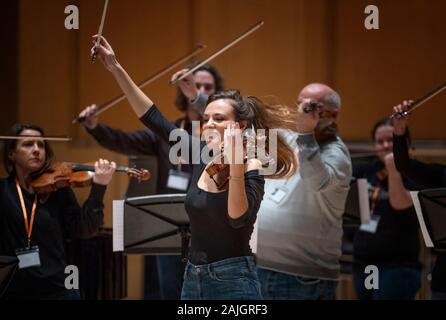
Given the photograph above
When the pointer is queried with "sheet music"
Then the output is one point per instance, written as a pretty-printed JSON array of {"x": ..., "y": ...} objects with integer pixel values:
[
  {"x": 118, "y": 225},
  {"x": 416, "y": 204},
  {"x": 364, "y": 205}
]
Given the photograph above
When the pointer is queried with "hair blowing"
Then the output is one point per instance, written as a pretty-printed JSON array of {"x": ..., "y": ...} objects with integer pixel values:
[{"x": 253, "y": 111}]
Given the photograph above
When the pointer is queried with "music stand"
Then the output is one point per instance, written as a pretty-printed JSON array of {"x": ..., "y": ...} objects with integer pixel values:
[
  {"x": 433, "y": 208},
  {"x": 156, "y": 225},
  {"x": 357, "y": 210},
  {"x": 8, "y": 267}
]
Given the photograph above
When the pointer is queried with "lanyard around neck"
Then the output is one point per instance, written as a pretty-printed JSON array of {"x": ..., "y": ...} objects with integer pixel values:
[{"x": 29, "y": 227}]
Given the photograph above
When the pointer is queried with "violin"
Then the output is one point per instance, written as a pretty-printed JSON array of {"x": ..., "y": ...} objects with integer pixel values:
[
  {"x": 329, "y": 132},
  {"x": 318, "y": 106},
  {"x": 219, "y": 171},
  {"x": 313, "y": 106},
  {"x": 68, "y": 174}
]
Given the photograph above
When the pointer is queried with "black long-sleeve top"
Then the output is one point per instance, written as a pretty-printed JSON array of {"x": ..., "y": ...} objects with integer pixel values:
[
  {"x": 215, "y": 236},
  {"x": 426, "y": 175},
  {"x": 141, "y": 142},
  {"x": 396, "y": 241},
  {"x": 60, "y": 217},
  {"x": 146, "y": 142}
]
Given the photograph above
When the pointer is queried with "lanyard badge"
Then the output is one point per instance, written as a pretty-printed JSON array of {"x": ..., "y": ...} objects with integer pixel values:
[
  {"x": 178, "y": 180},
  {"x": 29, "y": 256},
  {"x": 372, "y": 226}
]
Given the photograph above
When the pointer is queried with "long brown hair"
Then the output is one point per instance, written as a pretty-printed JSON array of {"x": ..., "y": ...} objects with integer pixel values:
[
  {"x": 254, "y": 112},
  {"x": 10, "y": 145}
]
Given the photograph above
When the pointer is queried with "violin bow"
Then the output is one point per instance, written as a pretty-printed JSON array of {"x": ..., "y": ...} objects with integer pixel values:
[
  {"x": 60, "y": 139},
  {"x": 419, "y": 102},
  {"x": 226, "y": 47},
  {"x": 101, "y": 27},
  {"x": 104, "y": 107}
]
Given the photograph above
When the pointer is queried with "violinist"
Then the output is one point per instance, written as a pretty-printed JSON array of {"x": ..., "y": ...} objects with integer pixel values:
[
  {"x": 165, "y": 273},
  {"x": 192, "y": 94},
  {"x": 221, "y": 264},
  {"x": 32, "y": 227},
  {"x": 390, "y": 241},
  {"x": 426, "y": 176},
  {"x": 300, "y": 219}
]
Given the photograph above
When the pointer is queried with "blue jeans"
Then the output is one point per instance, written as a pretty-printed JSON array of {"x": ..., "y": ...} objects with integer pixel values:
[
  {"x": 228, "y": 279},
  {"x": 282, "y": 286},
  {"x": 394, "y": 283}
]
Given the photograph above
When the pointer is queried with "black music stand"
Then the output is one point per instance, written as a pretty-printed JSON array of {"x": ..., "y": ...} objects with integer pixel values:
[
  {"x": 8, "y": 267},
  {"x": 351, "y": 211},
  {"x": 433, "y": 208},
  {"x": 351, "y": 220},
  {"x": 357, "y": 197},
  {"x": 156, "y": 225}
]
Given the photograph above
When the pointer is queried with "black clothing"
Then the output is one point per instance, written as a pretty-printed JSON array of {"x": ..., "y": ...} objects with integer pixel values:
[
  {"x": 142, "y": 142},
  {"x": 165, "y": 283},
  {"x": 215, "y": 236},
  {"x": 60, "y": 217},
  {"x": 396, "y": 241},
  {"x": 427, "y": 176}
]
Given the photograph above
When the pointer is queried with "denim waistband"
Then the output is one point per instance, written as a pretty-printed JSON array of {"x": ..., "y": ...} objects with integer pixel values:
[{"x": 247, "y": 261}]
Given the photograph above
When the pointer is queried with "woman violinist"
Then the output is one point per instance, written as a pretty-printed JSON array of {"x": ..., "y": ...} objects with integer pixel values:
[
  {"x": 34, "y": 228},
  {"x": 221, "y": 264}
]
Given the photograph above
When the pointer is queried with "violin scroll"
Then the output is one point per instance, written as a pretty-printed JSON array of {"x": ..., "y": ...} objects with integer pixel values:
[{"x": 140, "y": 174}]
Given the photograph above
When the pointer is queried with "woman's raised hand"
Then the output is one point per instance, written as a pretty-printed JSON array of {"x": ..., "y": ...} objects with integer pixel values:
[{"x": 105, "y": 53}]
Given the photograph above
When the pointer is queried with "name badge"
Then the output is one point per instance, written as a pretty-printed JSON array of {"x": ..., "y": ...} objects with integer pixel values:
[
  {"x": 28, "y": 257},
  {"x": 178, "y": 180},
  {"x": 278, "y": 194},
  {"x": 371, "y": 226}
]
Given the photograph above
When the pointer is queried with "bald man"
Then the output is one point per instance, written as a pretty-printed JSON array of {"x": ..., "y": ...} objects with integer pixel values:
[{"x": 300, "y": 219}]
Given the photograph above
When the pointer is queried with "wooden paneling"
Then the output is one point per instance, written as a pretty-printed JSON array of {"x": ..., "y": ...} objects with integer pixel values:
[
  {"x": 375, "y": 70},
  {"x": 9, "y": 61},
  {"x": 146, "y": 37},
  {"x": 47, "y": 68},
  {"x": 302, "y": 41},
  {"x": 279, "y": 58}
]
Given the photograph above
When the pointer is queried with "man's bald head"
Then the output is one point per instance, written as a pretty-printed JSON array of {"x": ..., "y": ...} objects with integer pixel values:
[{"x": 321, "y": 93}]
